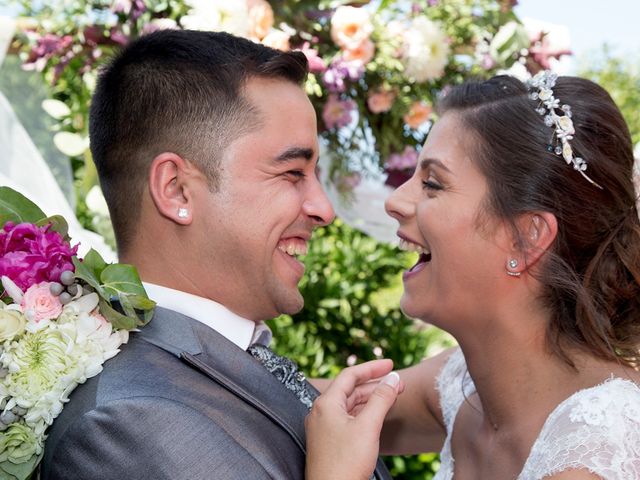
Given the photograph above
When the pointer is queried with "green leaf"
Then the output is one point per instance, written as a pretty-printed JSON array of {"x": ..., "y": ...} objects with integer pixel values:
[
  {"x": 123, "y": 282},
  {"x": 15, "y": 207},
  {"x": 121, "y": 279},
  {"x": 118, "y": 320},
  {"x": 90, "y": 269},
  {"x": 58, "y": 224}
]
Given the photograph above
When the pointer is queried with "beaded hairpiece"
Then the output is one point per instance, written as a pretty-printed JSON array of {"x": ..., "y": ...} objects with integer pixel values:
[{"x": 541, "y": 86}]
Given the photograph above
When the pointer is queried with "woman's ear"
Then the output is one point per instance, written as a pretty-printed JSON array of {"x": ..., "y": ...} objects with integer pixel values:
[
  {"x": 170, "y": 189},
  {"x": 538, "y": 230}
]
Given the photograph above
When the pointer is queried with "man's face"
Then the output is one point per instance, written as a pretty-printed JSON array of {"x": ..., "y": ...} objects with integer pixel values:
[{"x": 268, "y": 202}]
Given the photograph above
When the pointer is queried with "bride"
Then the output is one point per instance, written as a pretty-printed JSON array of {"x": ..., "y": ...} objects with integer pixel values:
[{"x": 522, "y": 209}]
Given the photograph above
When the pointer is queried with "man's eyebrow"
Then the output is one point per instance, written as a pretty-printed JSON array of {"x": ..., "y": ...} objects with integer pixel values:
[
  {"x": 294, "y": 153},
  {"x": 433, "y": 162}
]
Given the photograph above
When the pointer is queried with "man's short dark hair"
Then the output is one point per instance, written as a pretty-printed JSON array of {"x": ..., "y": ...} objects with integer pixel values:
[{"x": 174, "y": 91}]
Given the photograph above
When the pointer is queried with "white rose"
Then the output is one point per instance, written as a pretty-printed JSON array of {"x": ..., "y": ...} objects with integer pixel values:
[
  {"x": 426, "y": 51},
  {"x": 12, "y": 324}
]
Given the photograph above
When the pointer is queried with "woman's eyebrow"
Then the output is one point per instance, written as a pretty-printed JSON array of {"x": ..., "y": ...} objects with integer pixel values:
[{"x": 433, "y": 162}]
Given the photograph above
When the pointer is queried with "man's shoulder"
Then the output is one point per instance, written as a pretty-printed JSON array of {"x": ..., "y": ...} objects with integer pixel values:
[{"x": 148, "y": 394}]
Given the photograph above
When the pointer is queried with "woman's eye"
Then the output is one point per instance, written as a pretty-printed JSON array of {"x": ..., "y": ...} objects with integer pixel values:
[{"x": 431, "y": 185}]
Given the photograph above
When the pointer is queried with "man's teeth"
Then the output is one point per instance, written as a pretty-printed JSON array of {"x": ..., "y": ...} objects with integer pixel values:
[
  {"x": 412, "y": 247},
  {"x": 293, "y": 248}
]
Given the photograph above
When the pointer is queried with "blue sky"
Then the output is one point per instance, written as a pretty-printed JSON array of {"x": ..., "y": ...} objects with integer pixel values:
[{"x": 591, "y": 22}]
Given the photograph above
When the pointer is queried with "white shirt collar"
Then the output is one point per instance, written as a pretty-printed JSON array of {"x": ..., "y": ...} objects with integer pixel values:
[{"x": 239, "y": 330}]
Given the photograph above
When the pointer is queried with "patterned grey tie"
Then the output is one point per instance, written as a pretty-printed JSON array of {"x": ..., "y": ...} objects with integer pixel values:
[{"x": 286, "y": 371}]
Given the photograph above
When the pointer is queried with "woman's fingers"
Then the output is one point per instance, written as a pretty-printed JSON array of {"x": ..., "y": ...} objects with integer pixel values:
[{"x": 345, "y": 384}]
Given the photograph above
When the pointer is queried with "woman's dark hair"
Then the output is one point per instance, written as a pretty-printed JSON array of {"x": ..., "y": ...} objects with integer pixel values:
[{"x": 591, "y": 275}]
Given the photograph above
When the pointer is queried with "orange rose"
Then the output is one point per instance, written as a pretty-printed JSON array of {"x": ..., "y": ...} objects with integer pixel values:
[
  {"x": 417, "y": 114},
  {"x": 363, "y": 53}
]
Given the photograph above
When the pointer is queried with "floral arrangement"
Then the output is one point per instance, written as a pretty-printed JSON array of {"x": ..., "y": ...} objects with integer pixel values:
[
  {"x": 61, "y": 318},
  {"x": 377, "y": 66}
]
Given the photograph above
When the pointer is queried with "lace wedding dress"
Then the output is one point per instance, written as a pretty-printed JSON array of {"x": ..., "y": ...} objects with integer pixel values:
[{"x": 597, "y": 428}]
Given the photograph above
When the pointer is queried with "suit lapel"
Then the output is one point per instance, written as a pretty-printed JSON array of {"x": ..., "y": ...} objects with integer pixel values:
[
  {"x": 234, "y": 369},
  {"x": 231, "y": 367}
]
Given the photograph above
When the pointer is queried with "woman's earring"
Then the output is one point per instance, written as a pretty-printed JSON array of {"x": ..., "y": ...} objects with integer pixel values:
[
  {"x": 183, "y": 213},
  {"x": 511, "y": 264}
]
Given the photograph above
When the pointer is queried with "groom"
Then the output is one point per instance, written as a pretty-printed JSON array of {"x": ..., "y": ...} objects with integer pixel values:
[{"x": 206, "y": 148}]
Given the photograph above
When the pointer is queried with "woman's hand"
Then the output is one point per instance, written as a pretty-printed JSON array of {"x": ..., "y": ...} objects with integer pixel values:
[{"x": 343, "y": 428}]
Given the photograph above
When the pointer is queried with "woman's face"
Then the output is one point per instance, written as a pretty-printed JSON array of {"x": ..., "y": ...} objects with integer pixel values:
[{"x": 440, "y": 211}]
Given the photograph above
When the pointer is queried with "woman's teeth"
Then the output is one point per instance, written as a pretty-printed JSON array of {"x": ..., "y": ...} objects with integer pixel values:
[{"x": 408, "y": 246}]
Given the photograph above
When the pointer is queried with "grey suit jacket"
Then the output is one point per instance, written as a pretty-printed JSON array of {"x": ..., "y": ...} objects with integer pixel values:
[{"x": 179, "y": 402}]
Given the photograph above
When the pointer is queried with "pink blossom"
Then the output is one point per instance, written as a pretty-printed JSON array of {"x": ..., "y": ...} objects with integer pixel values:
[
  {"x": 316, "y": 63},
  {"x": 407, "y": 160},
  {"x": 381, "y": 101},
  {"x": 337, "y": 113},
  {"x": 30, "y": 254},
  {"x": 39, "y": 304}
]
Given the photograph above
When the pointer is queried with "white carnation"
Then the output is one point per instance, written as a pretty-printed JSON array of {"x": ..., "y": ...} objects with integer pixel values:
[
  {"x": 426, "y": 51},
  {"x": 217, "y": 15}
]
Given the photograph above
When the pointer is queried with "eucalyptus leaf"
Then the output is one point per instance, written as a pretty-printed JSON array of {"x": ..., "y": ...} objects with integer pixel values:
[
  {"x": 56, "y": 108},
  {"x": 15, "y": 207},
  {"x": 85, "y": 271},
  {"x": 58, "y": 224},
  {"x": 71, "y": 144},
  {"x": 121, "y": 278},
  {"x": 117, "y": 319}
]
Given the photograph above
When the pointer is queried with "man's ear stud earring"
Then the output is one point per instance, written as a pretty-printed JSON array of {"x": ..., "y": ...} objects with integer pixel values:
[
  {"x": 183, "y": 213},
  {"x": 511, "y": 264}
]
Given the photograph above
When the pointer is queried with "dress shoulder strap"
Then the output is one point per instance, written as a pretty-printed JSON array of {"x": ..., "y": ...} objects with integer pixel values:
[{"x": 454, "y": 385}]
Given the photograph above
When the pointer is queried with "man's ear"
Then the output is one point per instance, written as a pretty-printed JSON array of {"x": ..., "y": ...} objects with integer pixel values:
[
  {"x": 538, "y": 230},
  {"x": 169, "y": 187}
]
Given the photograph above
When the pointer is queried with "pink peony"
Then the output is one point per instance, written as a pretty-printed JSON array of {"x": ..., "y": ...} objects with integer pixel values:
[
  {"x": 337, "y": 113},
  {"x": 30, "y": 254},
  {"x": 39, "y": 304}
]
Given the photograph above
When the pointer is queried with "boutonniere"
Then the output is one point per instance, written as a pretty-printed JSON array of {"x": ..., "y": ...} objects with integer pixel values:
[{"x": 61, "y": 318}]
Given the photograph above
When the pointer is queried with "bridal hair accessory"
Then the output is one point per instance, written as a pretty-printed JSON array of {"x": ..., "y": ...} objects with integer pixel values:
[
  {"x": 541, "y": 86},
  {"x": 183, "y": 213},
  {"x": 61, "y": 318},
  {"x": 511, "y": 264}
]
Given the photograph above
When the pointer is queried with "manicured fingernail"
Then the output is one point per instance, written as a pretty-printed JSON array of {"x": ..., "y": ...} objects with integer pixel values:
[{"x": 392, "y": 379}]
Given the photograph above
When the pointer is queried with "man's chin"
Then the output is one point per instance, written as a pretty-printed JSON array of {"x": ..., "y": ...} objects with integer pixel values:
[{"x": 291, "y": 304}]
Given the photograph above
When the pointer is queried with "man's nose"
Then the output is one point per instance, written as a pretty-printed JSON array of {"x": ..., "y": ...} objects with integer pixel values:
[{"x": 317, "y": 205}]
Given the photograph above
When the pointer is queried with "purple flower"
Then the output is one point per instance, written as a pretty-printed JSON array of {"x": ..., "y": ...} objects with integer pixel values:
[
  {"x": 337, "y": 113},
  {"x": 46, "y": 47},
  {"x": 407, "y": 160},
  {"x": 340, "y": 71},
  {"x": 30, "y": 254}
]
